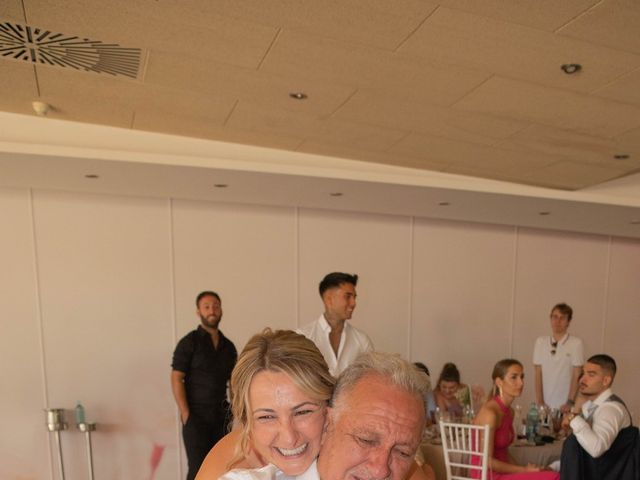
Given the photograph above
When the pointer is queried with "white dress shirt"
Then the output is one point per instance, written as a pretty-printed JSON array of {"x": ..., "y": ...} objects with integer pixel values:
[
  {"x": 353, "y": 342},
  {"x": 600, "y": 423},
  {"x": 270, "y": 472}
]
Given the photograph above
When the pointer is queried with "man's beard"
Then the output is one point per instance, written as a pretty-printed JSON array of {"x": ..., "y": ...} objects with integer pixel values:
[{"x": 213, "y": 323}]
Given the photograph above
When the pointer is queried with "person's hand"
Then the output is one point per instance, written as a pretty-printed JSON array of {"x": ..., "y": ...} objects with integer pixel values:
[
  {"x": 532, "y": 467},
  {"x": 566, "y": 408},
  {"x": 566, "y": 421},
  {"x": 580, "y": 400}
]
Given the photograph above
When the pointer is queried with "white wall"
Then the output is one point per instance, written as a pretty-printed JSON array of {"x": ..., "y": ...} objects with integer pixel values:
[{"x": 97, "y": 289}]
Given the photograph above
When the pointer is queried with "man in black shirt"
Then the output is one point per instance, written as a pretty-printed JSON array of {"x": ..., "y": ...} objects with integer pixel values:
[{"x": 202, "y": 364}]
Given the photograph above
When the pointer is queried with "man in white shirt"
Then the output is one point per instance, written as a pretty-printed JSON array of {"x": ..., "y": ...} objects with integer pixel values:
[
  {"x": 604, "y": 444},
  {"x": 338, "y": 341},
  {"x": 557, "y": 361},
  {"x": 598, "y": 415}
]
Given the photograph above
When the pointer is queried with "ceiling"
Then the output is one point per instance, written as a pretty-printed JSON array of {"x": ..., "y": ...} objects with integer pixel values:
[{"x": 420, "y": 97}]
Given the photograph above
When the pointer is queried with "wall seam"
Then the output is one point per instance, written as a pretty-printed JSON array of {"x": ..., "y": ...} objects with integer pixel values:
[
  {"x": 411, "y": 271},
  {"x": 512, "y": 320},
  {"x": 296, "y": 262},
  {"x": 43, "y": 363},
  {"x": 605, "y": 303},
  {"x": 174, "y": 321}
]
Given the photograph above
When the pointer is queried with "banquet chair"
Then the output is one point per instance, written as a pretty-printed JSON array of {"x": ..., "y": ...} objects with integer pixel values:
[{"x": 461, "y": 443}]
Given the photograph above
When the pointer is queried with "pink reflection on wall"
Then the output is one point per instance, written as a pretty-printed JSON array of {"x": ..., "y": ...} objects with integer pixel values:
[{"x": 156, "y": 456}]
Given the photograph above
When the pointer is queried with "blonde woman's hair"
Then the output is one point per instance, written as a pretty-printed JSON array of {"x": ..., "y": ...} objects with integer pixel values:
[{"x": 282, "y": 351}]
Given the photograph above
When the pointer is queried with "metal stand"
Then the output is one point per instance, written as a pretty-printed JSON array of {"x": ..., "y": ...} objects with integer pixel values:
[
  {"x": 87, "y": 428},
  {"x": 56, "y": 423}
]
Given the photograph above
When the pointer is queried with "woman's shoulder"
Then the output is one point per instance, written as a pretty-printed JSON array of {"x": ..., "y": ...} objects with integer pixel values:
[
  {"x": 217, "y": 460},
  {"x": 489, "y": 413}
]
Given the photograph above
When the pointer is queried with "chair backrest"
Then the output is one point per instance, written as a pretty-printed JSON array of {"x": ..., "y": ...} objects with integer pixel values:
[{"x": 466, "y": 450}]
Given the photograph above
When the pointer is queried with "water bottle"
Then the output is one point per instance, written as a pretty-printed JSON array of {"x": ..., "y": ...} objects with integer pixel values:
[
  {"x": 532, "y": 422},
  {"x": 80, "y": 413}
]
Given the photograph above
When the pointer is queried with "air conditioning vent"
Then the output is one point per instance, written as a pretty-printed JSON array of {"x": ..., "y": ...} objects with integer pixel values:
[{"x": 40, "y": 46}]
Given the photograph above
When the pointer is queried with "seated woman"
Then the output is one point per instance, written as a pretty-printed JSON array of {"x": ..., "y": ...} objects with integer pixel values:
[
  {"x": 280, "y": 389},
  {"x": 449, "y": 391},
  {"x": 508, "y": 383}
]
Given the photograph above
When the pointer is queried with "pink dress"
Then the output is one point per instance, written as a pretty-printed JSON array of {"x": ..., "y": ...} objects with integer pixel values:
[{"x": 502, "y": 438}]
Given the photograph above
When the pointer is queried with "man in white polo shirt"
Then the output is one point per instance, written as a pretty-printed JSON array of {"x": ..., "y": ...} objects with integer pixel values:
[
  {"x": 558, "y": 360},
  {"x": 338, "y": 341}
]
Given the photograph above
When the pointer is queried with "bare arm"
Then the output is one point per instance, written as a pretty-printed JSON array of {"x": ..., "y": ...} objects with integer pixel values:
[
  {"x": 573, "y": 389},
  {"x": 537, "y": 371},
  {"x": 440, "y": 401},
  {"x": 489, "y": 416},
  {"x": 180, "y": 394},
  {"x": 217, "y": 462}
]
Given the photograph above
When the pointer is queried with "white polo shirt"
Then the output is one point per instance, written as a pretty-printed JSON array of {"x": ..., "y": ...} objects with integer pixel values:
[
  {"x": 557, "y": 368},
  {"x": 353, "y": 342}
]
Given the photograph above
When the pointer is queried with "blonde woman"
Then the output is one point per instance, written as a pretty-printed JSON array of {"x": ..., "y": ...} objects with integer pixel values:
[{"x": 280, "y": 390}]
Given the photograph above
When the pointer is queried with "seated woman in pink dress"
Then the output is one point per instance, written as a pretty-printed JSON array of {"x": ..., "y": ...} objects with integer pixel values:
[{"x": 508, "y": 382}]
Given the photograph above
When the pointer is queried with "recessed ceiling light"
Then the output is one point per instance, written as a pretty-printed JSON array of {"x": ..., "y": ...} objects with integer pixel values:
[
  {"x": 298, "y": 95},
  {"x": 91, "y": 175},
  {"x": 444, "y": 204},
  {"x": 221, "y": 185},
  {"x": 336, "y": 194},
  {"x": 621, "y": 156},
  {"x": 571, "y": 68},
  {"x": 544, "y": 213}
]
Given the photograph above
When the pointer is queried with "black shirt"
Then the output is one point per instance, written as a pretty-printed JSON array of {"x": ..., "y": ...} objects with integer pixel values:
[{"x": 206, "y": 370}]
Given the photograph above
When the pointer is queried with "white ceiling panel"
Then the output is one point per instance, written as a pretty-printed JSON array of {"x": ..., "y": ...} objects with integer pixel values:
[
  {"x": 548, "y": 106},
  {"x": 516, "y": 51},
  {"x": 613, "y": 23},
  {"x": 301, "y": 56},
  {"x": 379, "y": 23},
  {"x": 367, "y": 106},
  {"x": 463, "y": 86},
  {"x": 543, "y": 14}
]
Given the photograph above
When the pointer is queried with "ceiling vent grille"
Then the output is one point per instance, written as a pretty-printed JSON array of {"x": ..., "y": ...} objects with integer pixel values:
[{"x": 40, "y": 46}]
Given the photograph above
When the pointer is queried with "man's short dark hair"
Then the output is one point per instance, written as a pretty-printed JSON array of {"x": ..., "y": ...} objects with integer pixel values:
[
  {"x": 607, "y": 363},
  {"x": 206, "y": 293},
  {"x": 564, "y": 309},
  {"x": 335, "y": 279}
]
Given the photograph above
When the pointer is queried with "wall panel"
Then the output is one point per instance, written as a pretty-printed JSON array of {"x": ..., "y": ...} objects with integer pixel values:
[
  {"x": 106, "y": 307},
  {"x": 246, "y": 254},
  {"x": 376, "y": 247},
  {"x": 117, "y": 278},
  {"x": 21, "y": 390},
  {"x": 463, "y": 274},
  {"x": 558, "y": 267},
  {"x": 623, "y": 320}
]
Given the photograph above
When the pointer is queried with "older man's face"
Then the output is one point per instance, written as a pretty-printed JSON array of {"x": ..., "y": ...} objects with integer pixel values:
[{"x": 373, "y": 433}]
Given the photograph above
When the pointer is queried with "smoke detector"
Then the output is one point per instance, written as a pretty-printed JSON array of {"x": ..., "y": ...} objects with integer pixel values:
[{"x": 41, "y": 108}]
